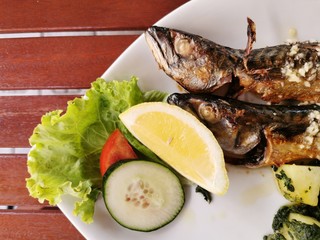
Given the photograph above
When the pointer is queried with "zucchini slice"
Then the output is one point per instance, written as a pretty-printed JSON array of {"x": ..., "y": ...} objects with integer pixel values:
[{"x": 142, "y": 195}]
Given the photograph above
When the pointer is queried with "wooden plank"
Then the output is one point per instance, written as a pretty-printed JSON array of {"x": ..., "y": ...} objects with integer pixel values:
[
  {"x": 13, "y": 191},
  {"x": 29, "y": 225},
  {"x": 35, "y": 16},
  {"x": 19, "y": 115},
  {"x": 57, "y": 62}
]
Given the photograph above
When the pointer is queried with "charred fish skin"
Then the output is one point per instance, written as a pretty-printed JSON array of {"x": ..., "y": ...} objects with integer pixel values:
[
  {"x": 256, "y": 135},
  {"x": 283, "y": 72},
  {"x": 275, "y": 74},
  {"x": 197, "y": 64}
]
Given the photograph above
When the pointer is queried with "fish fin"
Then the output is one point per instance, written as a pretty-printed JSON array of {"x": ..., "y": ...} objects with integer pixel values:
[{"x": 251, "y": 33}]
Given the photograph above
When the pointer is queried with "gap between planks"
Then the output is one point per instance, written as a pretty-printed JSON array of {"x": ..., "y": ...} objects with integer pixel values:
[{"x": 69, "y": 34}]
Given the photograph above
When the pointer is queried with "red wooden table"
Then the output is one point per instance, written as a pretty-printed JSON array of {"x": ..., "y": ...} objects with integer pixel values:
[{"x": 41, "y": 51}]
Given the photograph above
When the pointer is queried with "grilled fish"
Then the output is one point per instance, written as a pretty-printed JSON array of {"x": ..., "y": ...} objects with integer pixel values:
[
  {"x": 275, "y": 74},
  {"x": 256, "y": 135}
]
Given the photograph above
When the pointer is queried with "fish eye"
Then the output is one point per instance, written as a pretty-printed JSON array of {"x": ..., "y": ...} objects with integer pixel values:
[
  {"x": 183, "y": 47},
  {"x": 209, "y": 112}
]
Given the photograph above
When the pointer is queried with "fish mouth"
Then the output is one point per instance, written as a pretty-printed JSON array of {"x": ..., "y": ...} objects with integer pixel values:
[{"x": 160, "y": 42}]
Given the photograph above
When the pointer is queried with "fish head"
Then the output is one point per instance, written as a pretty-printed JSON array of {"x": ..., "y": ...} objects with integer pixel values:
[
  {"x": 221, "y": 117},
  {"x": 160, "y": 42},
  {"x": 192, "y": 61}
]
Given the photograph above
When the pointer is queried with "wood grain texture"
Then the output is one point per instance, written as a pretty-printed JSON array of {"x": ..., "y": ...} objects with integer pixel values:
[
  {"x": 39, "y": 16},
  {"x": 13, "y": 191},
  {"x": 53, "y": 63},
  {"x": 19, "y": 115},
  {"x": 31, "y": 225},
  {"x": 57, "y": 62}
]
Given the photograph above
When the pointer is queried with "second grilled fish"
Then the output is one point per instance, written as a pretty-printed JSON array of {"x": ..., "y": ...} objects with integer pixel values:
[
  {"x": 257, "y": 135},
  {"x": 278, "y": 73}
]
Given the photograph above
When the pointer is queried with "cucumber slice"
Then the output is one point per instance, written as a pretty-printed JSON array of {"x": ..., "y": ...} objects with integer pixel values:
[{"x": 142, "y": 195}]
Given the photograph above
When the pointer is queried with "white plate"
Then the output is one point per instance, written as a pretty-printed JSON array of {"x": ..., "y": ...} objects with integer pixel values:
[{"x": 247, "y": 210}]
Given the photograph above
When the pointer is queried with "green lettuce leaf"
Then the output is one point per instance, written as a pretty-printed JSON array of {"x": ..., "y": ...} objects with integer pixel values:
[
  {"x": 64, "y": 158},
  {"x": 154, "y": 96}
]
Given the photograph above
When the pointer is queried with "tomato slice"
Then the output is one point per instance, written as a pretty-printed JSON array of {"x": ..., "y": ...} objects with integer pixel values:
[{"x": 116, "y": 148}]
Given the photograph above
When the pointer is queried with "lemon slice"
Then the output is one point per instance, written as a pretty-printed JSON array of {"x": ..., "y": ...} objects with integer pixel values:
[{"x": 180, "y": 140}]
